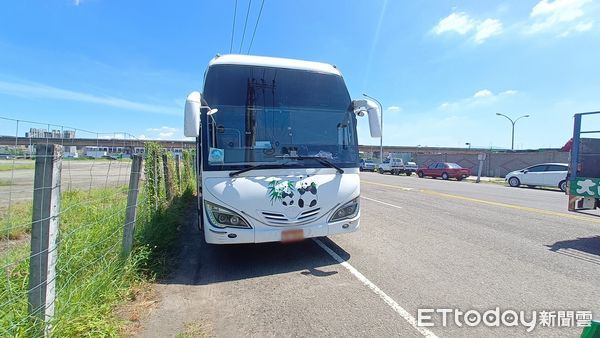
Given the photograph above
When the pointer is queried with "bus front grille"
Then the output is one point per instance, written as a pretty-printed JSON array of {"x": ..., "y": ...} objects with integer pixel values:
[{"x": 278, "y": 219}]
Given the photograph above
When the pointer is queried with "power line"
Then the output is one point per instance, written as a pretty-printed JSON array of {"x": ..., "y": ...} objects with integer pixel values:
[
  {"x": 245, "y": 23},
  {"x": 233, "y": 27},
  {"x": 256, "y": 26}
]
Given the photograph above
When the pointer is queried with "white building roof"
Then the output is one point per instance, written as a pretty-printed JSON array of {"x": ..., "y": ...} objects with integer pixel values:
[{"x": 265, "y": 61}]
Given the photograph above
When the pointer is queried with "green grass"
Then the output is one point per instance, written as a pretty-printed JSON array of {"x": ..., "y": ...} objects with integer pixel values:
[
  {"x": 5, "y": 183},
  {"x": 92, "y": 275},
  {"x": 17, "y": 166},
  {"x": 83, "y": 158},
  {"x": 16, "y": 221}
]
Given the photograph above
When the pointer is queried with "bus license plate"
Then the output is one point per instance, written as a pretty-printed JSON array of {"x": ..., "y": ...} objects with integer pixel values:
[{"x": 292, "y": 235}]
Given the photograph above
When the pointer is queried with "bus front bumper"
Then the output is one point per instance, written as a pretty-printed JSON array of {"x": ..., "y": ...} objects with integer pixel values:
[{"x": 264, "y": 233}]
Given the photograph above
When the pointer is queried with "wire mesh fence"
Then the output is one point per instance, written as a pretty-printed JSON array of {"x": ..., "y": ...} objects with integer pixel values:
[{"x": 67, "y": 219}]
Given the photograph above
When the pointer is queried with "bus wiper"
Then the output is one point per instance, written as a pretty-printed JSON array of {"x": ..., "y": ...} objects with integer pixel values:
[
  {"x": 254, "y": 167},
  {"x": 323, "y": 160}
]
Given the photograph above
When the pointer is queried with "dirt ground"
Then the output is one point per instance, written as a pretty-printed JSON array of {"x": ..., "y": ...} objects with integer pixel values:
[{"x": 75, "y": 175}]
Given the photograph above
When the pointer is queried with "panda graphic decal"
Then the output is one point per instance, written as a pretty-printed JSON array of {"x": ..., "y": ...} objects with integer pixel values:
[
  {"x": 291, "y": 193},
  {"x": 308, "y": 194}
]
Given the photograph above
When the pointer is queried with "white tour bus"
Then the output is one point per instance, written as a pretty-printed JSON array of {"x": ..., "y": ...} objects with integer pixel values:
[{"x": 278, "y": 150}]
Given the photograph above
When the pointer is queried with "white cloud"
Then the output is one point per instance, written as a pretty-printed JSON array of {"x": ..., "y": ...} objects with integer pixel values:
[
  {"x": 481, "y": 97},
  {"x": 394, "y": 109},
  {"x": 487, "y": 29},
  {"x": 462, "y": 23},
  {"x": 584, "y": 26},
  {"x": 509, "y": 92},
  {"x": 38, "y": 90},
  {"x": 559, "y": 16},
  {"x": 163, "y": 132},
  {"x": 483, "y": 93}
]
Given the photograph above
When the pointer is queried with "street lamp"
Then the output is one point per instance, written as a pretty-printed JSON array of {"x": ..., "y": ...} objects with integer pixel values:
[
  {"x": 512, "y": 145},
  {"x": 468, "y": 144},
  {"x": 380, "y": 138}
]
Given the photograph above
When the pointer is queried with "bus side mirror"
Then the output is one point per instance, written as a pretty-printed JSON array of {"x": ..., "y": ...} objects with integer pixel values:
[
  {"x": 372, "y": 109},
  {"x": 191, "y": 119}
]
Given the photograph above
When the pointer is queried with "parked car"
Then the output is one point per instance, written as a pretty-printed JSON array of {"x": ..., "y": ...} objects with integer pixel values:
[
  {"x": 444, "y": 170},
  {"x": 367, "y": 165},
  {"x": 390, "y": 165},
  {"x": 409, "y": 168},
  {"x": 540, "y": 175},
  {"x": 405, "y": 168}
]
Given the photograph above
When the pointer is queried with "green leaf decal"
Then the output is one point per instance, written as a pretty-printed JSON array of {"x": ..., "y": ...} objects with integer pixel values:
[{"x": 275, "y": 189}]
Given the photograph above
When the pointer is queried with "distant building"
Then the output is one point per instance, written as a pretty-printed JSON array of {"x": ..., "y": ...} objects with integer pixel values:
[
  {"x": 43, "y": 133},
  {"x": 71, "y": 152}
]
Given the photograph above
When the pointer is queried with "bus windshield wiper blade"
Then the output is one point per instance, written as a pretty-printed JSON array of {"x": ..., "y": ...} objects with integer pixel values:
[
  {"x": 256, "y": 166},
  {"x": 323, "y": 160}
]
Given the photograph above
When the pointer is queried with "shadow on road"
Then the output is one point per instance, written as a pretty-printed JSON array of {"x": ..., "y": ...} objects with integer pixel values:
[
  {"x": 584, "y": 248},
  {"x": 587, "y": 212},
  {"x": 201, "y": 264},
  {"x": 541, "y": 188}
]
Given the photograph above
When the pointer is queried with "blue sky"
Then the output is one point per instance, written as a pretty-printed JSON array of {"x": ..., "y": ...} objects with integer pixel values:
[{"x": 442, "y": 69}]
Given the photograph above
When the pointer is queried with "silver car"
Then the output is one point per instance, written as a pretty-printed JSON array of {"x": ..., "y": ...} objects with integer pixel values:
[
  {"x": 540, "y": 175},
  {"x": 367, "y": 165}
]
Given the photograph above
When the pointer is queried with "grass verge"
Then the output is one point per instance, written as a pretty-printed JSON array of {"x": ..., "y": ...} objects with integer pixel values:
[
  {"x": 20, "y": 166},
  {"x": 16, "y": 221},
  {"x": 92, "y": 275}
]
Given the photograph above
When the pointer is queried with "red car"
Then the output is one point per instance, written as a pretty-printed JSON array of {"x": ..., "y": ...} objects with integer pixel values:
[{"x": 444, "y": 170}]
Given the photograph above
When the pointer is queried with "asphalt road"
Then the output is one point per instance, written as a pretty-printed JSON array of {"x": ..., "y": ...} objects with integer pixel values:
[{"x": 423, "y": 243}]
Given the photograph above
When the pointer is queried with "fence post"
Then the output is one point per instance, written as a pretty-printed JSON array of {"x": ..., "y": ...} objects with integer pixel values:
[
  {"x": 156, "y": 192},
  {"x": 132, "y": 197},
  {"x": 168, "y": 177},
  {"x": 178, "y": 172},
  {"x": 44, "y": 235}
]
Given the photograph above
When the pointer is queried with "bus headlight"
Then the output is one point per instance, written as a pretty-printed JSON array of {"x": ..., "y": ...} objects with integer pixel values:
[
  {"x": 346, "y": 211},
  {"x": 221, "y": 217}
]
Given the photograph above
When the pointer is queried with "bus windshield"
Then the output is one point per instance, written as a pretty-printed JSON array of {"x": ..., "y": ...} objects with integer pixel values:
[{"x": 265, "y": 115}]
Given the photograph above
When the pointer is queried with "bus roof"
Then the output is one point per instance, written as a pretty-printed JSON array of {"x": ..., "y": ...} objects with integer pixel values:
[{"x": 265, "y": 61}]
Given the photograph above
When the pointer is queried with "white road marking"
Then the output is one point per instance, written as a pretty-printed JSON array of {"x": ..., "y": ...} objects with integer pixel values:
[
  {"x": 387, "y": 299},
  {"x": 374, "y": 200}
]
